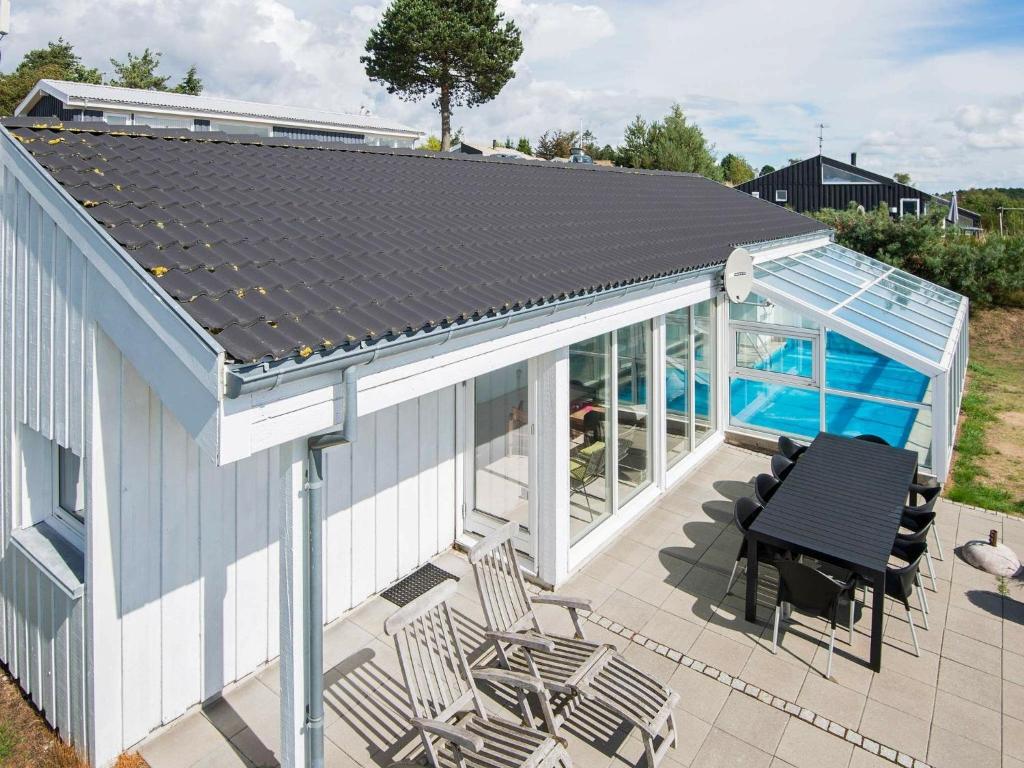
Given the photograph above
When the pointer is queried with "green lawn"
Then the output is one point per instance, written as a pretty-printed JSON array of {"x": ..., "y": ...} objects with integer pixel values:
[{"x": 989, "y": 462}]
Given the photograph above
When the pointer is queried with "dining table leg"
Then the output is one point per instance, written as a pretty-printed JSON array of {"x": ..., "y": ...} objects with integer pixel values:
[
  {"x": 877, "y": 616},
  {"x": 751, "y": 612}
]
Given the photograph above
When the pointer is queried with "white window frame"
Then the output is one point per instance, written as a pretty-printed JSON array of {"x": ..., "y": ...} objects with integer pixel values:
[
  {"x": 781, "y": 195},
  {"x": 65, "y": 523},
  {"x": 756, "y": 194},
  {"x": 917, "y": 204}
]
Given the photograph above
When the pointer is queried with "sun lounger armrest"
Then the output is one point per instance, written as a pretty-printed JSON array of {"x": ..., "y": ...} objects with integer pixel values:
[
  {"x": 515, "y": 679},
  {"x": 530, "y": 642},
  {"x": 457, "y": 735},
  {"x": 571, "y": 604},
  {"x": 574, "y": 603}
]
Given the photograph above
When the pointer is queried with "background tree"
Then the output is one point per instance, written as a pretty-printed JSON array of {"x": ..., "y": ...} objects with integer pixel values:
[
  {"x": 140, "y": 72},
  {"x": 556, "y": 143},
  {"x": 735, "y": 169},
  {"x": 766, "y": 169},
  {"x": 679, "y": 145},
  {"x": 433, "y": 143},
  {"x": 902, "y": 178},
  {"x": 57, "y": 61},
  {"x": 461, "y": 50},
  {"x": 524, "y": 146},
  {"x": 635, "y": 151}
]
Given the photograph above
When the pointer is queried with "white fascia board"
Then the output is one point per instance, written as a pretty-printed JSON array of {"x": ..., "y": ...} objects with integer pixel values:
[
  {"x": 262, "y": 419},
  {"x": 179, "y": 360},
  {"x": 33, "y": 96},
  {"x": 790, "y": 248},
  {"x": 142, "y": 110}
]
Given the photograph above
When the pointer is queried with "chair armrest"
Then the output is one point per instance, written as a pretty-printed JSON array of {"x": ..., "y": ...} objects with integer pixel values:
[
  {"x": 530, "y": 642},
  {"x": 515, "y": 679},
  {"x": 576, "y": 603},
  {"x": 457, "y": 735}
]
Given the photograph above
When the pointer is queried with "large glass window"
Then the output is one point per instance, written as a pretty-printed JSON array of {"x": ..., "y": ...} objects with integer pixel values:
[
  {"x": 704, "y": 370},
  {"x": 852, "y": 367},
  {"x": 773, "y": 407},
  {"x": 775, "y": 354},
  {"x": 633, "y": 412},
  {"x": 501, "y": 435},
  {"x": 677, "y": 384},
  {"x": 589, "y": 431}
]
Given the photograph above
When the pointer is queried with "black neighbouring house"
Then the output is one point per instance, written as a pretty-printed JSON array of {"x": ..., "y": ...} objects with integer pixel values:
[{"x": 821, "y": 182}]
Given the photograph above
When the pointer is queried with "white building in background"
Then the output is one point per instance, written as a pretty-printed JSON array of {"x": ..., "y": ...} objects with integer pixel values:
[{"x": 162, "y": 109}]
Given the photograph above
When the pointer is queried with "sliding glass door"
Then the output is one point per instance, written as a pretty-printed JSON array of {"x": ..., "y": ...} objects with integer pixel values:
[
  {"x": 690, "y": 403},
  {"x": 609, "y": 437},
  {"x": 502, "y": 444}
]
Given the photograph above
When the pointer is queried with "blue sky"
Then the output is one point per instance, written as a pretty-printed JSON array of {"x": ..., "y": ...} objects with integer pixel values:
[{"x": 931, "y": 87}]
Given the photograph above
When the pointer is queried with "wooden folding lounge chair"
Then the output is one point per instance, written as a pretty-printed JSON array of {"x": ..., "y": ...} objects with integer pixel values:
[
  {"x": 569, "y": 666},
  {"x": 447, "y": 709}
]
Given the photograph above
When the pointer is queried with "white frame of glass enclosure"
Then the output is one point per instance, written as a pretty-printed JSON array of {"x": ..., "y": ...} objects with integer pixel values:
[{"x": 947, "y": 374}]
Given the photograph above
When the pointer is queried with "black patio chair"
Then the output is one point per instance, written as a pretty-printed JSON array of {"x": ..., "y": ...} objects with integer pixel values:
[
  {"x": 781, "y": 466},
  {"x": 919, "y": 527},
  {"x": 745, "y": 512},
  {"x": 765, "y": 487},
  {"x": 872, "y": 439},
  {"x": 918, "y": 512},
  {"x": 791, "y": 449},
  {"x": 901, "y": 582},
  {"x": 808, "y": 590}
]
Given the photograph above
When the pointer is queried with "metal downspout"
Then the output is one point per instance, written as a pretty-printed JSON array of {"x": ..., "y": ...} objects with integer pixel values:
[{"x": 314, "y": 569}]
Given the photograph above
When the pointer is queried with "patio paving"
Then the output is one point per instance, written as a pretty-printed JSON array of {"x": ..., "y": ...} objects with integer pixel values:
[{"x": 659, "y": 596}]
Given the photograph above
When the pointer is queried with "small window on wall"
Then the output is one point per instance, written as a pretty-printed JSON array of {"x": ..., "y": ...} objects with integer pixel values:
[
  {"x": 910, "y": 206},
  {"x": 781, "y": 196},
  {"x": 755, "y": 194},
  {"x": 70, "y": 488}
]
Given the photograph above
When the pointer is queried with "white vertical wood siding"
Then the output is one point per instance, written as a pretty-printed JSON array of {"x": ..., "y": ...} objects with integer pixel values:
[
  {"x": 193, "y": 549},
  {"x": 198, "y": 547},
  {"x": 42, "y": 386}
]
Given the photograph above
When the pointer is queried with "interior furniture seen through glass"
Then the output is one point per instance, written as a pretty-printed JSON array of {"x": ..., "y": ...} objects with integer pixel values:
[
  {"x": 589, "y": 431},
  {"x": 501, "y": 439},
  {"x": 633, "y": 410}
]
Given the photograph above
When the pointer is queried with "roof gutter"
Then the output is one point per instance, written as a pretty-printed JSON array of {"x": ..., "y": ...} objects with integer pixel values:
[{"x": 242, "y": 380}]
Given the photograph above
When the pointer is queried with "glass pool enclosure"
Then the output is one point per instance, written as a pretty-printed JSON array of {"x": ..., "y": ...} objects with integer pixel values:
[{"x": 833, "y": 340}]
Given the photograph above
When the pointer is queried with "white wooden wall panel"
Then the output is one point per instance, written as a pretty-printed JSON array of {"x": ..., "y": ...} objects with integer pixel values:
[
  {"x": 184, "y": 562},
  {"x": 38, "y": 382}
]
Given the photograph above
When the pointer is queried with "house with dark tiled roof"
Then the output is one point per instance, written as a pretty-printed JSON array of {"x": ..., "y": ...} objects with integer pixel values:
[
  {"x": 225, "y": 357},
  {"x": 822, "y": 182}
]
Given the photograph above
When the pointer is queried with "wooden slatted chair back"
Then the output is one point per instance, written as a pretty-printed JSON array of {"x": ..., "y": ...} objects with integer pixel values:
[
  {"x": 434, "y": 666},
  {"x": 502, "y": 588}
]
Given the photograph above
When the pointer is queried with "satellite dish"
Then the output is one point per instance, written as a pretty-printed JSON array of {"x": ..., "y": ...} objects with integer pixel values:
[{"x": 738, "y": 278}]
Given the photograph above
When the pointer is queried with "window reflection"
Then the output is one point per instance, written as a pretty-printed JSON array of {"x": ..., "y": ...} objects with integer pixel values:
[
  {"x": 677, "y": 382},
  {"x": 633, "y": 453},
  {"x": 502, "y": 444},
  {"x": 704, "y": 369}
]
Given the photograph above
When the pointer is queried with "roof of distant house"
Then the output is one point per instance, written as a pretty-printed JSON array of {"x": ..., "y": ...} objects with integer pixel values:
[
  {"x": 489, "y": 150},
  {"x": 87, "y": 95},
  {"x": 278, "y": 247}
]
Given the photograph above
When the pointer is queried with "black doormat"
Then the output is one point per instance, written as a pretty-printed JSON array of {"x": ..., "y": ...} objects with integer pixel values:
[{"x": 417, "y": 583}]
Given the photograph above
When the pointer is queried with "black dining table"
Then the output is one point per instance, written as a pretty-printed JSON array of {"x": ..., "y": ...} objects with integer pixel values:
[{"x": 840, "y": 504}]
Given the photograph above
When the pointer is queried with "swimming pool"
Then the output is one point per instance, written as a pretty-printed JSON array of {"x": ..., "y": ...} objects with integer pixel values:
[{"x": 850, "y": 367}]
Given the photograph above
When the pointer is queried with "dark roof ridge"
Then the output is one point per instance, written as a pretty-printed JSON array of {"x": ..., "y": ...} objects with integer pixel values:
[{"x": 98, "y": 127}]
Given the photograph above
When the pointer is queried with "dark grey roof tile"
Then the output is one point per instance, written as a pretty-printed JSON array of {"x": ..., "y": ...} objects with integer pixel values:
[{"x": 277, "y": 245}]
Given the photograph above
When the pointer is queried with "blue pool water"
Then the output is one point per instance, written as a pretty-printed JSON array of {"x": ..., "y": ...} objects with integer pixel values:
[
  {"x": 849, "y": 366},
  {"x": 675, "y": 392}
]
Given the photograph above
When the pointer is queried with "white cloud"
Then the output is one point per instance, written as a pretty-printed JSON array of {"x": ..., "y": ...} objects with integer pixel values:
[
  {"x": 883, "y": 76},
  {"x": 557, "y": 30},
  {"x": 998, "y": 126}
]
